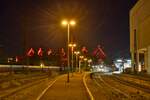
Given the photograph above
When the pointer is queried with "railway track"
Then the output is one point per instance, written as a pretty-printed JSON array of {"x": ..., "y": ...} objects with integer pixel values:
[
  {"x": 135, "y": 85},
  {"x": 13, "y": 91},
  {"x": 109, "y": 89},
  {"x": 132, "y": 90},
  {"x": 10, "y": 77},
  {"x": 138, "y": 77},
  {"x": 33, "y": 81}
]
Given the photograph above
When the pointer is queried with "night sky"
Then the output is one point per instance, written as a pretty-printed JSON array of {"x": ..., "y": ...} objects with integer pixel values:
[{"x": 37, "y": 23}]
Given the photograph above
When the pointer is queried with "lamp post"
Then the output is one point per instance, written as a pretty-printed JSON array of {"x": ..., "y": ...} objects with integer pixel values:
[
  {"x": 68, "y": 24},
  {"x": 89, "y": 62},
  {"x": 85, "y": 60},
  {"x": 72, "y": 45},
  {"x": 81, "y": 58},
  {"x": 76, "y": 53}
]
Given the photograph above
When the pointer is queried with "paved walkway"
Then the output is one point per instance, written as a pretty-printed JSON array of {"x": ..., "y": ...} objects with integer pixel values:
[{"x": 61, "y": 90}]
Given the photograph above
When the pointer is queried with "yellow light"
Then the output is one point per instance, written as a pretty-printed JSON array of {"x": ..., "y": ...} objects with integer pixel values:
[
  {"x": 81, "y": 57},
  {"x": 90, "y": 60},
  {"x": 72, "y": 45},
  {"x": 77, "y": 52},
  {"x": 64, "y": 22},
  {"x": 42, "y": 65},
  {"x": 72, "y": 22},
  {"x": 85, "y": 59}
]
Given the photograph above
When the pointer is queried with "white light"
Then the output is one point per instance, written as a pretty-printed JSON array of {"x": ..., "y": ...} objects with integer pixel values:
[
  {"x": 90, "y": 60},
  {"x": 140, "y": 68},
  {"x": 42, "y": 65},
  {"x": 128, "y": 60},
  {"x": 119, "y": 60}
]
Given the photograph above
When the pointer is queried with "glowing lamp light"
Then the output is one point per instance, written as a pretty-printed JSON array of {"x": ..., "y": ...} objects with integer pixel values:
[
  {"x": 76, "y": 52},
  {"x": 119, "y": 60},
  {"x": 90, "y": 60},
  {"x": 41, "y": 64},
  {"x": 64, "y": 22},
  {"x": 72, "y": 22},
  {"x": 85, "y": 59},
  {"x": 81, "y": 57},
  {"x": 72, "y": 45}
]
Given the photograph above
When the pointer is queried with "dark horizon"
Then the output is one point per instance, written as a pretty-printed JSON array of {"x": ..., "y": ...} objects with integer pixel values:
[{"x": 102, "y": 22}]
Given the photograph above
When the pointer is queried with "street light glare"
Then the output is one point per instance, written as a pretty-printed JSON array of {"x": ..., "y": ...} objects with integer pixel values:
[
  {"x": 72, "y": 45},
  {"x": 72, "y": 22},
  {"x": 85, "y": 59},
  {"x": 64, "y": 22},
  {"x": 76, "y": 52},
  {"x": 81, "y": 57}
]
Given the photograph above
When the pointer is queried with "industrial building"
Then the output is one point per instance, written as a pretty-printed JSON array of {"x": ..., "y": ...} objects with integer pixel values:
[{"x": 140, "y": 36}]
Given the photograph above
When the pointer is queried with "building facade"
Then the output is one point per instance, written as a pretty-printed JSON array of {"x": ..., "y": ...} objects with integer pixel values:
[{"x": 140, "y": 36}]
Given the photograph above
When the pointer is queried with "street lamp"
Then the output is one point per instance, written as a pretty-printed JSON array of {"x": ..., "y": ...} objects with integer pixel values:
[
  {"x": 89, "y": 62},
  {"x": 81, "y": 58},
  {"x": 68, "y": 24},
  {"x": 85, "y": 61},
  {"x": 42, "y": 66},
  {"x": 72, "y": 45},
  {"x": 76, "y": 53}
]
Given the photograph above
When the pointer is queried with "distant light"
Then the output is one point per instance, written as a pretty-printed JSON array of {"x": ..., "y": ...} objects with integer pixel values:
[
  {"x": 72, "y": 45},
  {"x": 140, "y": 67},
  {"x": 77, "y": 52},
  {"x": 117, "y": 72},
  {"x": 90, "y": 60},
  {"x": 128, "y": 60},
  {"x": 119, "y": 60},
  {"x": 9, "y": 60},
  {"x": 85, "y": 59},
  {"x": 42, "y": 65},
  {"x": 101, "y": 66},
  {"x": 81, "y": 57}
]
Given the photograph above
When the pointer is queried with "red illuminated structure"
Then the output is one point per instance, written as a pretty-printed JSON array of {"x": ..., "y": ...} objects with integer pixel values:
[
  {"x": 40, "y": 52},
  {"x": 30, "y": 52},
  {"x": 84, "y": 50},
  {"x": 49, "y": 52},
  {"x": 99, "y": 53}
]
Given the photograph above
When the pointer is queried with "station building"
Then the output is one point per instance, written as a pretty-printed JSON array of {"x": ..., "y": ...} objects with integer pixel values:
[{"x": 140, "y": 36}]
